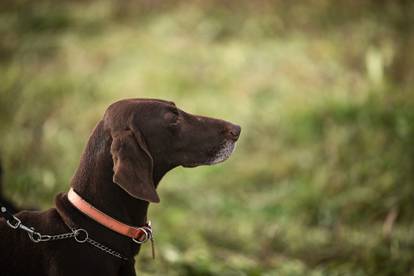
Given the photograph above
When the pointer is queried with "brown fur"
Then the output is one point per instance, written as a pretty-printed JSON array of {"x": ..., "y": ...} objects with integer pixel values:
[{"x": 129, "y": 151}]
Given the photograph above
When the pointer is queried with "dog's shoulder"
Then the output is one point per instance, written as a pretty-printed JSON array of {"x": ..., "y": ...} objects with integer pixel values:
[{"x": 48, "y": 220}]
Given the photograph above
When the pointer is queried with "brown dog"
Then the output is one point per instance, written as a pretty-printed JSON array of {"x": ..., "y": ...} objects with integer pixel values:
[{"x": 129, "y": 151}]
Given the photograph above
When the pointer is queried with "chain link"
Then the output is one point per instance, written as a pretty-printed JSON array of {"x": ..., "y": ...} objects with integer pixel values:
[
  {"x": 62, "y": 236},
  {"x": 105, "y": 249},
  {"x": 76, "y": 234}
]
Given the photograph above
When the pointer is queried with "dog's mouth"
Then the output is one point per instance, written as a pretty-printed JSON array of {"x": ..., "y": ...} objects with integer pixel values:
[
  {"x": 223, "y": 153},
  {"x": 218, "y": 154}
]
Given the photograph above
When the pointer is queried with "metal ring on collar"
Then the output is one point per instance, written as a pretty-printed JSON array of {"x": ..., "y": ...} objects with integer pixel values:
[
  {"x": 78, "y": 232},
  {"x": 147, "y": 236},
  {"x": 35, "y": 236}
]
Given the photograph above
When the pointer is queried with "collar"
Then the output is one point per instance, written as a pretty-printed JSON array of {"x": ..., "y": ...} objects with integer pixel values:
[{"x": 138, "y": 234}]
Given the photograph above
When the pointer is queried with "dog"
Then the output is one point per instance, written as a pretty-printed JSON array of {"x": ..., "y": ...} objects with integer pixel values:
[{"x": 104, "y": 214}]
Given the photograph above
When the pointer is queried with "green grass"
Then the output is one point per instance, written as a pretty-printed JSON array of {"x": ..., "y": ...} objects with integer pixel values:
[{"x": 325, "y": 155}]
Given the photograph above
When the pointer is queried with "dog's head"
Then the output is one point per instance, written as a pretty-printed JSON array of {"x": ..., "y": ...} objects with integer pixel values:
[{"x": 146, "y": 132}]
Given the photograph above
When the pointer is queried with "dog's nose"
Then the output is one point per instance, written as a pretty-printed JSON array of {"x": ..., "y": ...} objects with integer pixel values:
[{"x": 234, "y": 132}]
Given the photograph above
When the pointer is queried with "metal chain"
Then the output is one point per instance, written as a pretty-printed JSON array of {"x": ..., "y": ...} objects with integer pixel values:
[
  {"x": 105, "y": 249},
  {"x": 62, "y": 236},
  {"x": 80, "y": 235}
]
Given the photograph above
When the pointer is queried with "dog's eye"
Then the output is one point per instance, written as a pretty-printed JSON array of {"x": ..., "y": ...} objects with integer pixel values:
[{"x": 171, "y": 117}]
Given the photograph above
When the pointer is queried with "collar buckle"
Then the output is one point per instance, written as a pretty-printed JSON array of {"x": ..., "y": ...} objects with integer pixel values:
[{"x": 147, "y": 234}]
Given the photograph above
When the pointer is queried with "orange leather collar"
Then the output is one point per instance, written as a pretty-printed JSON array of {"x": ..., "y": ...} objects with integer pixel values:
[{"x": 138, "y": 234}]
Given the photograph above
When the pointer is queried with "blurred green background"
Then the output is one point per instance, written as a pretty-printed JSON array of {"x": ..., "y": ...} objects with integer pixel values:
[{"x": 322, "y": 180}]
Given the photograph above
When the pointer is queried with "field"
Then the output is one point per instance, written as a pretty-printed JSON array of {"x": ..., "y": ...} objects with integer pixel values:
[{"x": 322, "y": 180}]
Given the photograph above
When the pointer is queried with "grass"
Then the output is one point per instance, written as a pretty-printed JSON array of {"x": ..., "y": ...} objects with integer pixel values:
[{"x": 325, "y": 157}]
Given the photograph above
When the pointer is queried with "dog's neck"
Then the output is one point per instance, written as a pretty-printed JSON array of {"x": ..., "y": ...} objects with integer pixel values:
[{"x": 93, "y": 180}]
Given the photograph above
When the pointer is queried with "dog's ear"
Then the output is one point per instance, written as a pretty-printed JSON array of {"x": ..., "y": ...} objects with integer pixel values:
[{"x": 133, "y": 165}]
